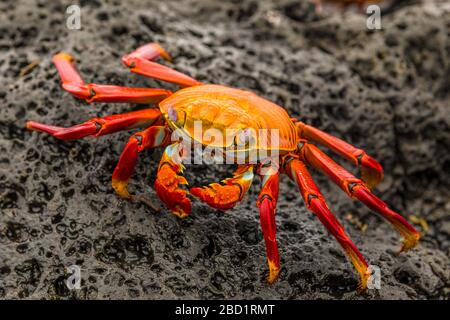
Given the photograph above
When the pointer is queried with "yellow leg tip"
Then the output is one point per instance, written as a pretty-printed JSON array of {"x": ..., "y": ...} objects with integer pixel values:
[
  {"x": 121, "y": 188},
  {"x": 63, "y": 56},
  {"x": 29, "y": 125},
  {"x": 273, "y": 272},
  {"x": 164, "y": 54},
  {"x": 410, "y": 242},
  {"x": 364, "y": 280},
  {"x": 363, "y": 270}
]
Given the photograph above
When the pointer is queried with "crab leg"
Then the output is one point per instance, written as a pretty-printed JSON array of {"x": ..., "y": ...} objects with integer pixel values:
[
  {"x": 356, "y": 188},
  {"x": 267, "y": 202},
  {"x": 151, "y": 137},
  {"x": 169, "y": 179},
  {"x": 101, "y": 126},
  {"x": 90, "y": 92},
  {"x": 228, "y": 192},
  {"x": 371, "y": 170},
  {"x": 315, "y": 202},
  {"x": 140, "y": 61}
]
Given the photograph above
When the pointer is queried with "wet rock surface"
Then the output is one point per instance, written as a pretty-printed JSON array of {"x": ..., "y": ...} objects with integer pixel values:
[{"x": 386, "y": 91}]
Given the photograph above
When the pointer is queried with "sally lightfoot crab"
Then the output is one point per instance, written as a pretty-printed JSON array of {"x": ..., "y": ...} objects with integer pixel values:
[{"x": 223, "y": 109}]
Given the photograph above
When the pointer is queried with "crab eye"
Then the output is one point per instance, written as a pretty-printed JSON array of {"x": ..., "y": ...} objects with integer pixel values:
[
  {"x": 172, "y": 113},
  {"x": 177, "y": 117}
]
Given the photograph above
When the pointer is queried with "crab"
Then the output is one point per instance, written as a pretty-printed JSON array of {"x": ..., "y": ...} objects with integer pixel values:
[{"x": 224, "y": 108}]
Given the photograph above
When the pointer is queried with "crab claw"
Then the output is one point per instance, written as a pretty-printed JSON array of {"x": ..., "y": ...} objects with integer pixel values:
[
  {"x": 218, "y": 196},
  {"x": 228, "y": 192},
  {"x": 167, "y": 186}
]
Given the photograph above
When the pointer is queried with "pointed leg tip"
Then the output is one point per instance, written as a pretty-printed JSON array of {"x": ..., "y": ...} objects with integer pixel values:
[
  {"x": 164, "y": 54},
  {"x": 29, "y": 125},
  {"x": 63, "y": 56},
  {"x": 410, "y": 242},
  {"x": 37, "y": 126},
  {"x": 273, "y": 277},
  {"x": 274, "y": 271},
  {"x": 121, "y": 188},
  {"x": 363, "y": 281},
  {"x": 362, "y": 288}
]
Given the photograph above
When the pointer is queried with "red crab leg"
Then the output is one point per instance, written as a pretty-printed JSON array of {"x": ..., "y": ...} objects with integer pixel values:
[
  {"x": 315, "y": 202},
  {"x": 371, "y": 170},
  {"x": 139, "y": 61},
  {"x": 267, "y": 203},
  {"x": 151, "y": 137},
  {"x": 356, "y": 188},
  {"x": 226, "y": 194},
  {"x": 73, "y": 83},
  {"x": 101, "y": 126},
  {"x": 168, "y": 181}
]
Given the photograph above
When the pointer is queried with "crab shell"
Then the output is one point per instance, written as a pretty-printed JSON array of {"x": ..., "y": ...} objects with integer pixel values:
[{"x": 231, "y": 119}]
